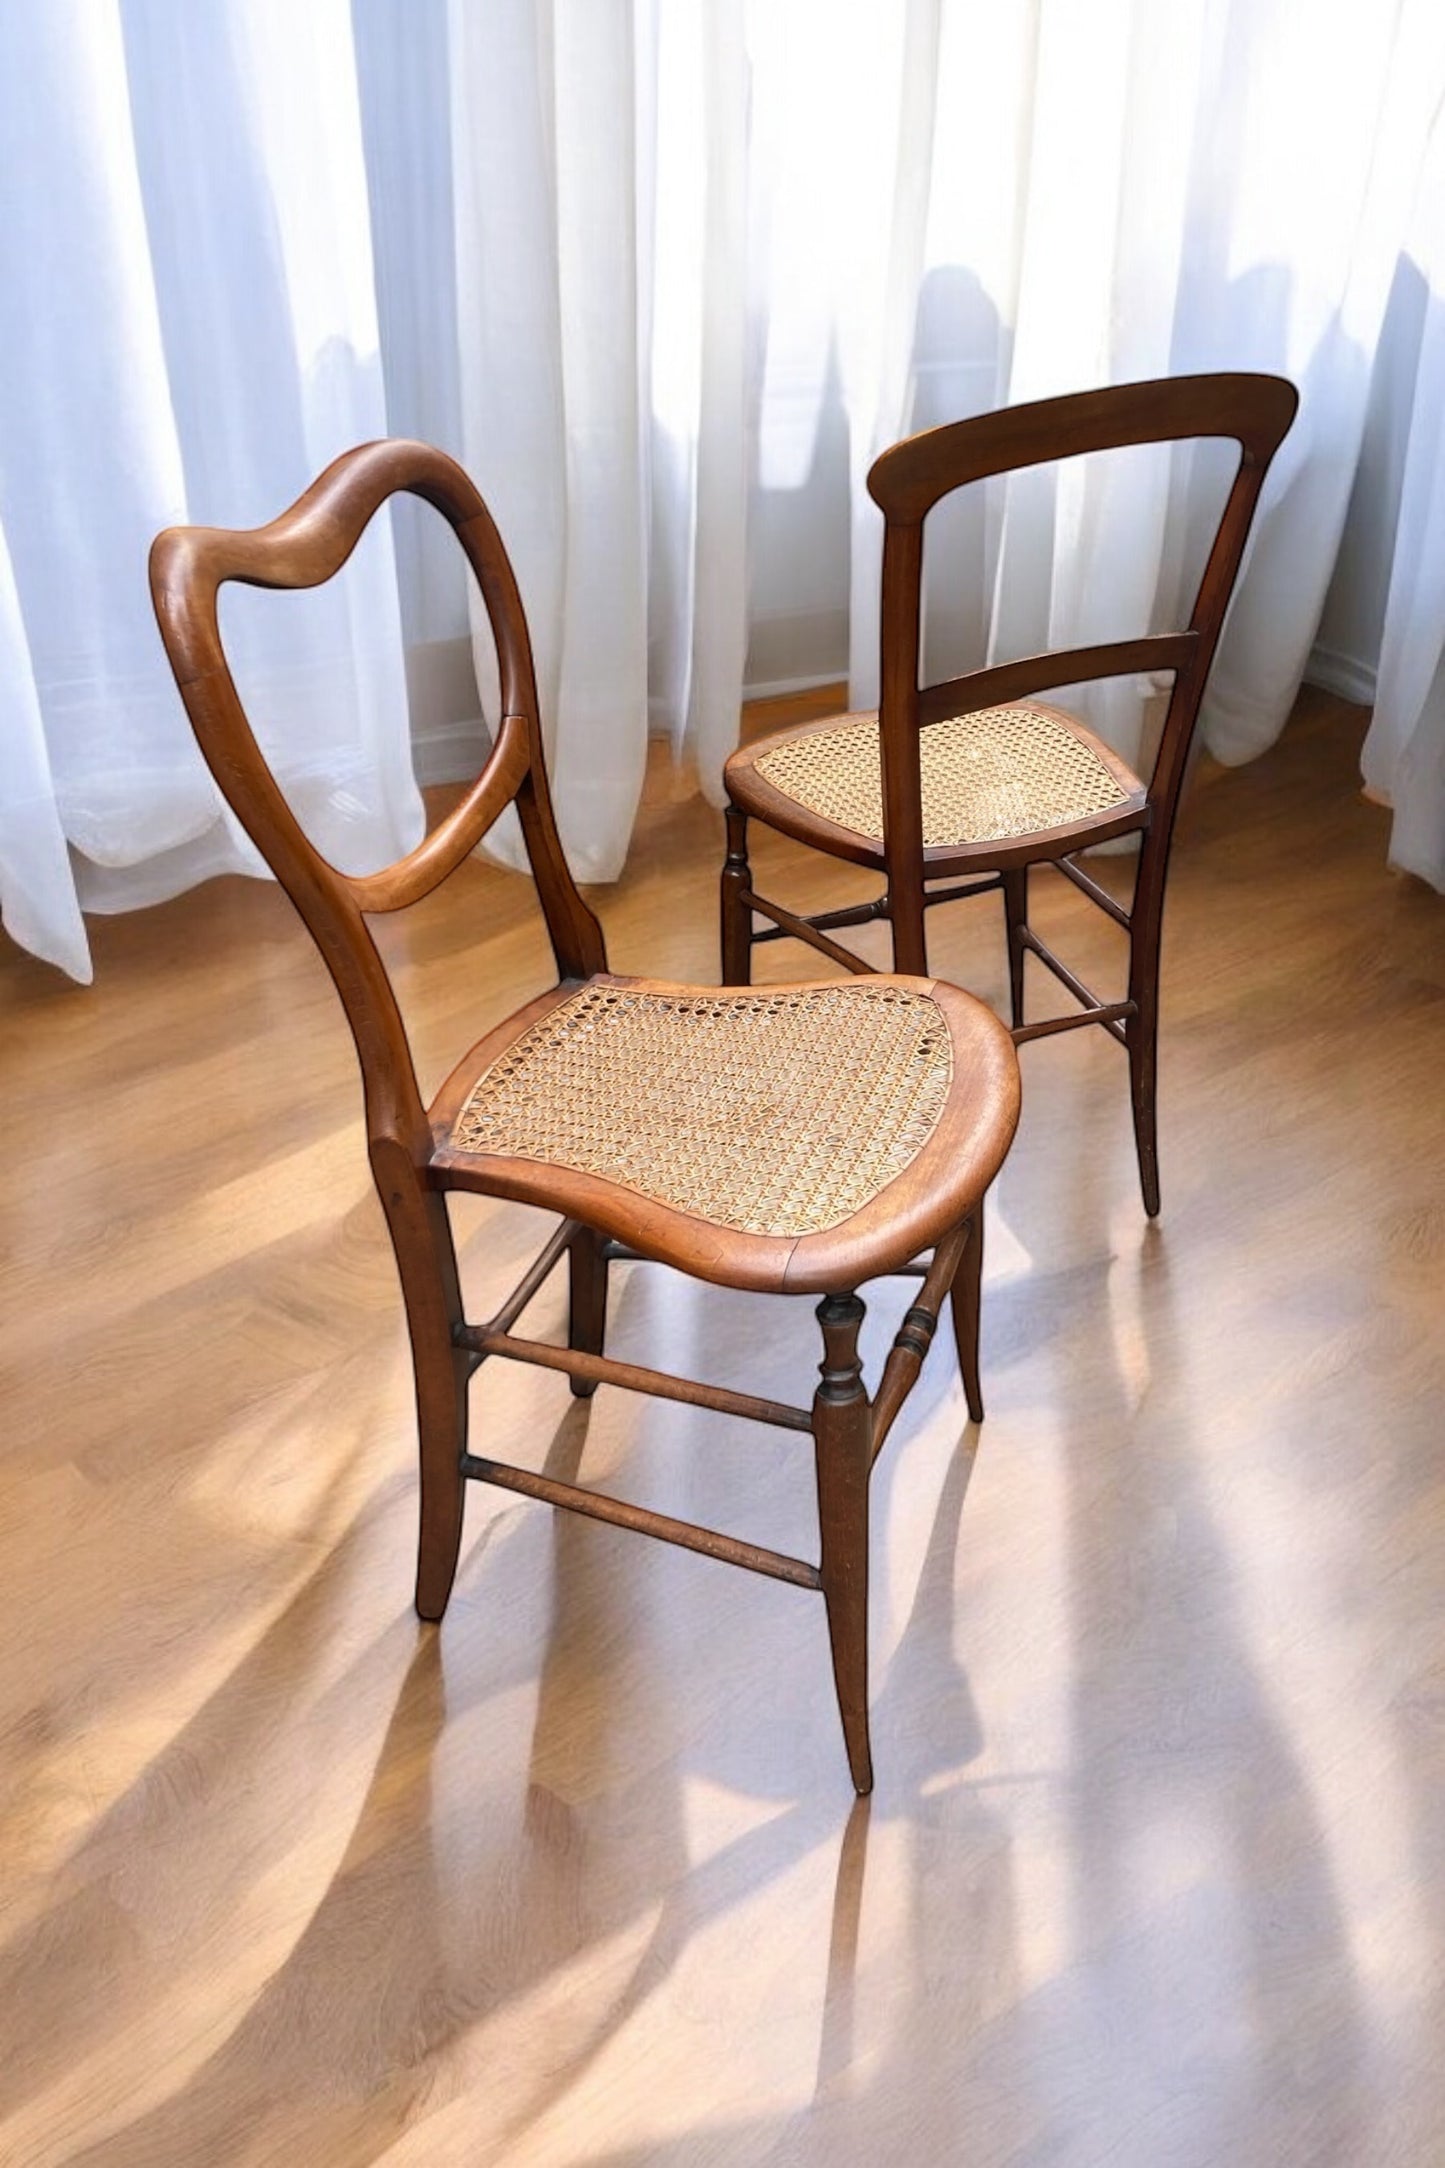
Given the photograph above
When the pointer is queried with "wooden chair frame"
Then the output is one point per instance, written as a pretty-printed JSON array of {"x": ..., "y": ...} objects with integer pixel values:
[
  {"x": 906, "y": 482},
  {"x": 407, "y": 1140}
]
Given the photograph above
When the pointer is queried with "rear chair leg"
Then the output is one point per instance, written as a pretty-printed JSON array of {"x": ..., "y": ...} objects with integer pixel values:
[
  {"x": 737, "y": 917},
  {"x": 587, "y": 1316},
  {"x": 1143, "y": 1039},
  {"x": 905, "y": 912},
  {"x": 1016, "y": 915},
  {"x": 965, "y": 1301},
  {"x": 1142, "y": 1029},
  {"x": 842, "y": 1439},
  {"x": 426, "y": 1261}
]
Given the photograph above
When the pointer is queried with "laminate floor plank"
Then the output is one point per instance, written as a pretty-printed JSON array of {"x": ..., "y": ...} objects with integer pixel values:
[{"x": 1154, "y": 1875}]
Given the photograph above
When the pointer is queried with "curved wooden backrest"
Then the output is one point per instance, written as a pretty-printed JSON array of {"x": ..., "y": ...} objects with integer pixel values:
[
  {"x": 909, "y": 479},
  {"x": 302, "y": 548}
]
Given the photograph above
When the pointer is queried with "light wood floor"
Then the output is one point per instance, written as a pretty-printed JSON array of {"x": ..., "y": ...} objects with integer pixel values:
[{"x": 1155, "y": 1869}]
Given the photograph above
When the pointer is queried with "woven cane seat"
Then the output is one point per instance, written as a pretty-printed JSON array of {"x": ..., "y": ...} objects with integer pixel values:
[
  {"x": 987, "y": 777},
  {"x": 774, "y": 1113}
]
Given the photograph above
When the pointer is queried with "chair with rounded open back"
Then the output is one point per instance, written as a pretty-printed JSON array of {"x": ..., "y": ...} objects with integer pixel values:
[
  {"x": 798, "y": 1141},
  {"x": 954, "y": 789}
]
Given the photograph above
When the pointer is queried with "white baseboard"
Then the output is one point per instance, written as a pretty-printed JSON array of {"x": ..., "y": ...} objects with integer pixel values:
[
  {"x": 1342, "y": 674},
  {"x": 453, "y": 752},
  {"x": 449, "y": 752},
  {"x": 779, "y": 688}
]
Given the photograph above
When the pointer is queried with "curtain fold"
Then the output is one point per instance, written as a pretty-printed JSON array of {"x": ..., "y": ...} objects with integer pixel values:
[
  {"x": 543, "y": 114},
  {"x": 600, "y": 177},
  {"x": 1195, "y": 187},
  {"x": 1404, "y": 756},
  {"x": 189, "y": 326},
  {"x": 667, "y": 275}
]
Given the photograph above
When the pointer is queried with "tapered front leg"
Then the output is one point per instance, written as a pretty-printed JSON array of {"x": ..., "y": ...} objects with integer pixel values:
[
  {"x": 842, "y": 1439},
  {"x": 426, "y": 1261},
  {"x": 1016, "y": 916},
  {"x": 1142, "y": 1029},
  {"x": 965, "y": 1301},
  {"x": 737, "y": 917},
  {"x": 587, "y": 1316}
]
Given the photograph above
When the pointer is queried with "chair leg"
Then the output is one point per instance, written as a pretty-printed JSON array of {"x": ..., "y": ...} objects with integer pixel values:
[
  {"x": 587, "y": 1314},
  {"x": 737, "y": 918},
  {"x": 1016, "y": 914},
  {"x": 965, "y": 1301},
  {"x": 426, "y": 1261},
  {"x": 1143, "y": 1091},
  {"x": 1142, "y": 1030},
  {"x": 842, "y": 1438},
  {"x": 910, "y": 940}
]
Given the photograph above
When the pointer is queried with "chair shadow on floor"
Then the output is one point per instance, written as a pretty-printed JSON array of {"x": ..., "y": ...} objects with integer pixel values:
[{"x": 432, "y": 1924}]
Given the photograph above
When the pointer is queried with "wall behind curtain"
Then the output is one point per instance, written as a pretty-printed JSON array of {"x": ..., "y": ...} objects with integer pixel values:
[{"x": 666, "y": 275}]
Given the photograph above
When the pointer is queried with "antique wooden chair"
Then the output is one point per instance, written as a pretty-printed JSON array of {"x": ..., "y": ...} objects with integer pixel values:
[
  {"x": 799, "y": 1141},
  {"x": 968, "y": 783}
]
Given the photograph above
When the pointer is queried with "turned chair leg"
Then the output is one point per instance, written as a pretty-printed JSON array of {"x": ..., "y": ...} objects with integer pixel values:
[
  {"x": 842, "y": 1437},
  {"x": 965, "y": 1301},
  {"x": 426, "y": 1261},
  {"x": 737, "y": 917},
  {"x": 1016, "y": 915},
  {"x": 587, "y": 1291}
]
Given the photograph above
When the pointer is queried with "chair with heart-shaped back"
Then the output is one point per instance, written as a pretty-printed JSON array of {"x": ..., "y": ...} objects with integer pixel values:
[{"x": 797, "y": 1141}]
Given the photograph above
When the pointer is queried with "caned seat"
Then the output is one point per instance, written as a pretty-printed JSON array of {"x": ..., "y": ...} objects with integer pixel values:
[
  {"x": 973, "y": 777},
  {"x": 985, "y": 778},
  {"x": 796, "y": 1125},
  {"x": 801, "y": 1140}
]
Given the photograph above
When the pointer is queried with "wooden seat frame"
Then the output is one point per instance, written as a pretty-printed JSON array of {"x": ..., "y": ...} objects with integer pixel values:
[
  {"x": 937, "y": 1204},
  {"x": 907, "y": 481}
]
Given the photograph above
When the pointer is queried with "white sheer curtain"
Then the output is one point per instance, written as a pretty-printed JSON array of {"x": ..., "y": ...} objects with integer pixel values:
[
  {"x": 712, "y": 259},
  {"x": 600, "y": 167},
  {"x": 977, "y": 206},
  {"x": 1404, "y": 758},
  {"x": 188, "y": 322},
  {"x": 666, "y": 274}
]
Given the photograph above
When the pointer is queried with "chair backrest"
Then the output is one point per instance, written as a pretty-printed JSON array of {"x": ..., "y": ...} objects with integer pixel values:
[
  {"x": 304, "y": 547},
  {"x": 908, "y": 480}
]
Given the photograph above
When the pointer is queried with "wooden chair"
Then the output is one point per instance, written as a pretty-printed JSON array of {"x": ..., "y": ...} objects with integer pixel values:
[
  {"x": 969, "y": 782},
  {"x": 799, "y": 1141}
]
